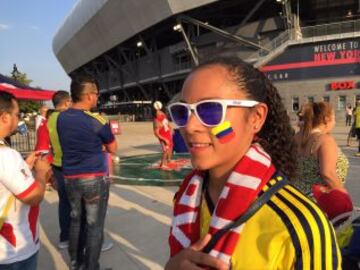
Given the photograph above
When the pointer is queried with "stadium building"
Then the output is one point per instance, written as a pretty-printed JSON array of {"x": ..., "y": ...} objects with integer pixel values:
[{"x": 141, "y": 50}]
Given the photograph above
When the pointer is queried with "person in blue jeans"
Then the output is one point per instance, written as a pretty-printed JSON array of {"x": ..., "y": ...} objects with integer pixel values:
[
  {"x": 82, "y": 135},
  {"x": 351, "y": 253},
  {"x": 61, "y": 101},
  {"x": 27, "y": 264}
]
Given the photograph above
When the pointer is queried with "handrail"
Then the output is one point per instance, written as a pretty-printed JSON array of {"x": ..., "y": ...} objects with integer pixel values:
[
  {"x": 331, "y": 29},
  {"x": 271, "y": 45},
  {"x": 341, "y": 29}
]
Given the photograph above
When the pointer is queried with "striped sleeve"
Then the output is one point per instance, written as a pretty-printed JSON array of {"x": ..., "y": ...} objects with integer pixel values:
[
  {"x": 311, "y": 233},
  {"x": 101, "y": 127},
  {"x": 15, "y": 174}
]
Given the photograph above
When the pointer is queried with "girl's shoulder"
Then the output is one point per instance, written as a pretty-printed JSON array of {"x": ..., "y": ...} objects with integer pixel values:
[{"x": 325, "y": 139}]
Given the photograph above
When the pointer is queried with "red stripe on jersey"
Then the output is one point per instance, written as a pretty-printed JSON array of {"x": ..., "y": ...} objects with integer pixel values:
[
  {"x": 23, "y": 194},
  {"x": 33, "y": 218},
  {"x": 7, "y": 232}
]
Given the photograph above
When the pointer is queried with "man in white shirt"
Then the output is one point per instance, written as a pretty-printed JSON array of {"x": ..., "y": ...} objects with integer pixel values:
[{"x": 20, "y": 195}]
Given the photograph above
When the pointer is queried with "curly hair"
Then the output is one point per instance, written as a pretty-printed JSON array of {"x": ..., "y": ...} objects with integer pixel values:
[
  {"x": 314, "y": 115},
  {"x": 276, "y": 135}
]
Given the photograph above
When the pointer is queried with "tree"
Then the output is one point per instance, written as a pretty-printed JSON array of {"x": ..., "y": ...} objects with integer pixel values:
[
  {"x": 20, "y": 77},
  {"x": 25, "y": 106}
]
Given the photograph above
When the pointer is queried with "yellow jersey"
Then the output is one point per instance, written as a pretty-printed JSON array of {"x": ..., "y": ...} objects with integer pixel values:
[{"x": 288, "y": 232}]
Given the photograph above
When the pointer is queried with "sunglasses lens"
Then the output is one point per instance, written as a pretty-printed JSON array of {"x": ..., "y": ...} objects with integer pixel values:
[
  {"x": 210, "y": 113},
  {"x": 179, "y": 114}
]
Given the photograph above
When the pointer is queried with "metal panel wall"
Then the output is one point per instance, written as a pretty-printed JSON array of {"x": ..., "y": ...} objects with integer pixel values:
[{"x": 95, "y": 26}]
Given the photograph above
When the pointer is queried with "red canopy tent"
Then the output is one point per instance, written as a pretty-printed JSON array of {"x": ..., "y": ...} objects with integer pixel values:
[
  {"x": 29, "y": 94},
  {"x": 22, "y": 91}
]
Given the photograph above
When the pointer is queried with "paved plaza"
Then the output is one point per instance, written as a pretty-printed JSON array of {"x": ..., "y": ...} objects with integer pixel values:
[{"x": 139, "y": 217}]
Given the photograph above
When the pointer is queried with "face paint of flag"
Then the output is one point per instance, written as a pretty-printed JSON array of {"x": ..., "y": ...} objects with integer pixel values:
[{"x": 223, "y": 132}]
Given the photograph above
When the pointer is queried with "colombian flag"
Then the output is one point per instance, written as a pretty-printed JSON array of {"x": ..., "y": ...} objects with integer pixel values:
[{"x": 223, "y": 132}]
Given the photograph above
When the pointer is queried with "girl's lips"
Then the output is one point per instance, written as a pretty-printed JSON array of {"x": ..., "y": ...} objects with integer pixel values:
[
  {"x": 199, "y": 144},
  {"x": 198, "y": 147}
]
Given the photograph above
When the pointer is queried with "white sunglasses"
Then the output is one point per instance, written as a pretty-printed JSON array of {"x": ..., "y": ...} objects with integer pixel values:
[{"x": 209, "y": 112}]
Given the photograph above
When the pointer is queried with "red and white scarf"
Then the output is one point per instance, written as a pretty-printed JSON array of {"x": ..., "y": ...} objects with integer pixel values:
[{"x": 247, "y": 179}]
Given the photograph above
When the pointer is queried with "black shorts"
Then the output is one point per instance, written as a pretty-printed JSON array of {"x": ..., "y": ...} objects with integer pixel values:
[{"x": 357, "y": 130}]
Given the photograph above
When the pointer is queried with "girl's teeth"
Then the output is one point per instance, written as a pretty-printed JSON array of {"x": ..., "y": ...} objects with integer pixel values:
[{"x": 200, "y": 144}]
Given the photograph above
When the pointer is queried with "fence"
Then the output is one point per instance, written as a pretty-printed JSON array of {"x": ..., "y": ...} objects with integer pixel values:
[
  {"x": 24, "y": 143},
  {"x": 345, "y": 29},
  {"x": 340, "y": 28}
]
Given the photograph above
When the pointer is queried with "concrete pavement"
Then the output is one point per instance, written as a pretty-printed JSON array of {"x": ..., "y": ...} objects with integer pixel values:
[{"x": 139, "y": 217}]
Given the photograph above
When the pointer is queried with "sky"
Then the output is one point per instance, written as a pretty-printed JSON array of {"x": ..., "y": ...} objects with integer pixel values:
[{"x": 27, "y": 28}]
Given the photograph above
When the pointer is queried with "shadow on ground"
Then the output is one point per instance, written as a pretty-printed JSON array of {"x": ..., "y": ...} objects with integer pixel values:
[{"x": 138, "y": 222}]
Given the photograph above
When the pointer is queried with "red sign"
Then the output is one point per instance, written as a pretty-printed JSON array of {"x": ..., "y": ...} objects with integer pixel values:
[
  {"x": 344, "y": 85},
  {"x": 115, "y": 127}
]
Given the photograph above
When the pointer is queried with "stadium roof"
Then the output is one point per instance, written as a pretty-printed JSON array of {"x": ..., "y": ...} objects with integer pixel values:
[{"x": 95, "y": 26}]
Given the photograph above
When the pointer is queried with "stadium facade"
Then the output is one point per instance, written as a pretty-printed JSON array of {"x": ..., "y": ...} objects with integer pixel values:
[{"x": 142, "y": 50}]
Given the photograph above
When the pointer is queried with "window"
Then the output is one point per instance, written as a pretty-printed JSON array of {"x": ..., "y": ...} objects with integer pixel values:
[
  {"x": 182, "y": 60},
  {"x": 326, "y": 98},
  {"x": 311, "y": 99},
  {"x": 295, "y": 104},
  {"x": 341, "y": 103}
]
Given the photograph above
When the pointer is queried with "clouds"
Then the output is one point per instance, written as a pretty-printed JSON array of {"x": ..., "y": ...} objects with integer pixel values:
[
  {"x": 35, "y": 28},
  {"x": 4, "y": 27}
]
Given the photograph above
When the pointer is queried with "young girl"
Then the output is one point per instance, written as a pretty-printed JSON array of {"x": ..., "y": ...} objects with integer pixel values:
[
  {"x": 163, "y": 131},
  {"x": 239, "y": 137}
]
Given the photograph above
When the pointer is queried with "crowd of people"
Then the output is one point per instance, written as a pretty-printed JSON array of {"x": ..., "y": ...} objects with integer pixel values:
[
  {"x": 75, "y": 142},
  {"x": 259, "y": 196}
]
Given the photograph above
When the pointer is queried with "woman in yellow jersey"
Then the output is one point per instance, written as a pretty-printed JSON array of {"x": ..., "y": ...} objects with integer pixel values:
[{"x": 239, "y": 137}]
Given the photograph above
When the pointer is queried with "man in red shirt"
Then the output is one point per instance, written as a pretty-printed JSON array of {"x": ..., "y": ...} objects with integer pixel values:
[{"x": 43, "y": 138}]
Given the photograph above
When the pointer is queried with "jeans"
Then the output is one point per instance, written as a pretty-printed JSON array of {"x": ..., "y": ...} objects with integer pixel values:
[
  {"x": 28, "y": 264},
  {"x": 64, "y": 204},
  {"x": 348, "y": 120},
  {"x": 88, "y": 199},
  {"x": 353, "y": 249}
]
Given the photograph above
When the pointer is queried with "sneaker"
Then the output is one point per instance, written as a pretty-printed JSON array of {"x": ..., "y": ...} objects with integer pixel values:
[
  {"x": 73, "y": 265},
  {"x": 63, "y": 244},
  {"x": 107, "y": 244},
  {"x": 48, "y": 187},
  {"x": 357, "y": 154}
]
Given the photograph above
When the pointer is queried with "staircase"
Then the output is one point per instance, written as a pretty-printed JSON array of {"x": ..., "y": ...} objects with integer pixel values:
[
  {"x": 311, "y": 34},
  {"x": 273, "y": 48}
]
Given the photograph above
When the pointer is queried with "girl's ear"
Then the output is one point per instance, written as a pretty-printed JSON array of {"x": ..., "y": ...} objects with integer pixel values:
[
  {"x": 258, "y": 118},
  {"x": 327, "y": 119}
]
